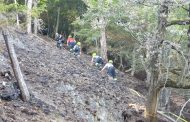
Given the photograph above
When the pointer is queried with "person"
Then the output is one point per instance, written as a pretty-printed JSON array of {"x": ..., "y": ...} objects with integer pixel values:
[
  {"x": 59, "y": 39},
  {"x": 110, "y": 70},
  {"x": 77, "y": 49},
  {"x": 71, "y": 42},
  {"x": 96, "y": 60}
]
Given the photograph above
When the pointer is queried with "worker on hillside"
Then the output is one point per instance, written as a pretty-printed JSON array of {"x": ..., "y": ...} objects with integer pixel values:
[
  {"x": 59, "y": 39},
  {"x": 71, "y": 42},
  {"x": 110, "y": 70},
  {"x": 77, "y": 49},
  {"x": 96, "y": 60}
]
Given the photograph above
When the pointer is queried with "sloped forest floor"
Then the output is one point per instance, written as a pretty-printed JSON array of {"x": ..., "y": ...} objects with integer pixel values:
[{"x": 65, "y": 88}]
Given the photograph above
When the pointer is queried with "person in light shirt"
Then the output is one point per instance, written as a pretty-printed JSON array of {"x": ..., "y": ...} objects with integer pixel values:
[{"x": 110, "y": 70}]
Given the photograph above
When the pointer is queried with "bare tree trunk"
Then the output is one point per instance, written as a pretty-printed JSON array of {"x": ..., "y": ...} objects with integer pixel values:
[
  {"x": 164, "y": 99},
  {"x": 103, "y": 44},
  {"x": 29, "y": 16},
  {"x": 17, "y": 18},
  {"x": 57, "y": 24},
  {"x": 151, "y": 104},
  {"x": 25, "y": 2},
  {"x": 188, "y": 35},
  {"x": 16, "y": 68},
  {"x": 153, "y": 94},
  {"x": 35, "y": 20},
  {"x": 121, "y": 62},
  {"x": 97, "y": 46},
  {"x": 133, "y": 61},
  {"x": 35, "y": 25}
]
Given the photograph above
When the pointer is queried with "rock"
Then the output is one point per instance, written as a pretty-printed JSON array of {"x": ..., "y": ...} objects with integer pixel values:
[
  {"x": 29, "y": 112},
  {"x": 1, "y": 112},
  {"x": 126, "y": 115},
  {"x": 10, "y": 92},
  {"x": 17, "y": 105},
  {"x": 12, "y": 116},
  {"x": 6, "y": 74},
  {"x": 46, "y": 111}
]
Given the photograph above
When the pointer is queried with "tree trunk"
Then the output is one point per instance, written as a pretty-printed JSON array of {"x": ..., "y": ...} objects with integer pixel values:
[
  {"x": 133, "y": 61},
  {"x": 35, "y": 25},
  {"x": 57, "y": 24},
  {"x": 35, "y": 20},
  {"x": 17, "y": 72},
  {"x": 164, "y": 99},
  {"x": 29, "y": 16},
  {"x": 97, "y": 45},
  {"x": 153, "y": 94},
  {"x": 153, "y": 52},
  {"x": 121, "y": 62},
  {"x": 103, "y": 44},
  {"x": 17, "y": 18},
  {"x": 151, "y": 105},
  {"x": 188, "y": 35}
]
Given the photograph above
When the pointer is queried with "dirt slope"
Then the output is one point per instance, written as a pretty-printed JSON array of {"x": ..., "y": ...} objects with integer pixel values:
[{"x": 65, "y": 88}]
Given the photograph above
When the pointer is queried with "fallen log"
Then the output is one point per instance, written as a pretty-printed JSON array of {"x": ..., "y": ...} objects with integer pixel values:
[{"x": 16, "y": 68}]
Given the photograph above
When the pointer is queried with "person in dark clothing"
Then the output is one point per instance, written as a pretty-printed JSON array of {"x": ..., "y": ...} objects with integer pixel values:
[
  {"x": 60, "y": 40},
  {"x": 97, "y": 60},
  {"x": 77, "y": 49}
]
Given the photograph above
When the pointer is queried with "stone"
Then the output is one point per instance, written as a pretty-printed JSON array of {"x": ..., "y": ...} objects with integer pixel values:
[{"x": 10, "y": 92}]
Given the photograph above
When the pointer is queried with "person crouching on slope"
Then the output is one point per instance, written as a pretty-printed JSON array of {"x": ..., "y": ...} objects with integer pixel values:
[
  {"x": 77, "y": 49},
  {"x": 60, "y": 40},
  {"x": 71, "y": 42},
  {"x": 96, "y": 60},
  {"x": 110, "y": 70}
]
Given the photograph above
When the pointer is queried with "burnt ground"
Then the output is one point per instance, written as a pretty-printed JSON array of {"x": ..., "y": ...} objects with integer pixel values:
[{"x": 64, "y": 88}]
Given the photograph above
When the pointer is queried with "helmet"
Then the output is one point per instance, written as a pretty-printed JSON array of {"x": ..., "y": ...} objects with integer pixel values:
[
  {"x": 110, "y": 61},
  {"x": 69, "y": 36},
  {"x": 78, "y": 43},
  {"x": 93, "y": 54}
]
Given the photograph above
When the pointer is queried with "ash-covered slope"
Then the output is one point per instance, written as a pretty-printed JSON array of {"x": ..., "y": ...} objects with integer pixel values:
[{"x": 65, "y": 88}]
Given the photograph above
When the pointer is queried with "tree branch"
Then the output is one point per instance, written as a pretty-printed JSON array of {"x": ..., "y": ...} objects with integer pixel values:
[
  {"x": 182, "y": 110},
  {"x": 178, "y": 22},
  {"x": 185, "y": 8},
  {"x": 174, "y": 84},
  {"x": 166, "y": 116},
  {"x": 173, "y": 46}
]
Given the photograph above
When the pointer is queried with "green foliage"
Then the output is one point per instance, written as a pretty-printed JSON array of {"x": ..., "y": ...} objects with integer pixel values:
[
  {"x": 40, "y": 8},
  {"x": 7, "y": 7},
  {"x": 69, "y": 11}
]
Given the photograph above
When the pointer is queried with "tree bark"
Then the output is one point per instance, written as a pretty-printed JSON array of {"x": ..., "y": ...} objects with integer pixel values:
[
  {"x": 164, "y": 99},
  {"x": 153, "y": 53},
  {"x": 17, "y": 18},
  {"x": 16, "y": 68},
  {"x": 188, "y": 35},
  {"x": 35, "y": 20},
  {"x": 151, "y": 104},
  {"x": 133, "y": 61},
  {"x": 103, "y": 44},
  {"x": 29, "y": 16},
  {"x": 57, "y": 24},
  {"x": 120, "y": 62}
]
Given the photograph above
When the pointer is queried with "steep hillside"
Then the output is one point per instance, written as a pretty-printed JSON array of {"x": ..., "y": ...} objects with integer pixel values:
[{"x": 65, "y": 88}]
